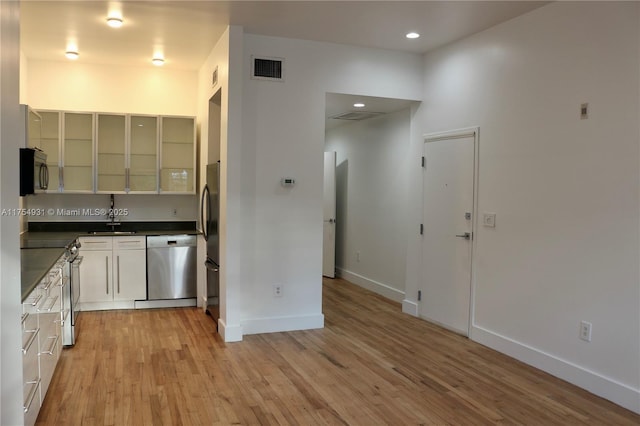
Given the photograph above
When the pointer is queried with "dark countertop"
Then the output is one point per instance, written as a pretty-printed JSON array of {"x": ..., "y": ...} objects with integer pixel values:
[
  {"x": 34, "y": 265},
  {"x": 42, "y": 249}
]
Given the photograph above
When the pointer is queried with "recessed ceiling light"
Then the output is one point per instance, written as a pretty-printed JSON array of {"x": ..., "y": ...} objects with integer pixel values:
[
  {"x": 158, "y": 62},
  {"x": 358, "y": 105},
  {"x": 114, "y": 22},
  {"x": 413, "y": 35},
  {"x": 70, "y": 54}
]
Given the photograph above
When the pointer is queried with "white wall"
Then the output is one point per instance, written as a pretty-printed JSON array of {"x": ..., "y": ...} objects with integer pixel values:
[
  {"x": 283, "y": 128},
  {"x": 10, "y": 131},
  {"x": 372, "y": 194},
  {"x": 78, "y": 86},
  {"x": 566, "y": 191}
]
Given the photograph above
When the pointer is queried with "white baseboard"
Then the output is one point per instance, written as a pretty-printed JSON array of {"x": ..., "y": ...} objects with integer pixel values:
[
  {"x": 229, "y": 333},
  {"x": 375, "y": 286},
  {"x": 106, "y": 306},
  {"x": 169, "y": 303},
  {"x": 279, "y": 324},
  {"x": 595, "y": 383},
  {"x": 409, "y": 307}
]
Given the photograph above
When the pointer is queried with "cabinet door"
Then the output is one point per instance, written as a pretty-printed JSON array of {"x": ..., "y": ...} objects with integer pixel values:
[
  {"x": 96, "y": 276},
  {"x": 178, "y": 155},
  {"x": 143, "y": 154},
  {"x": 111, "y": 160},
  {"x": 34, "y": 129},
  {"x": 50, "y": 141},
  {"x": 78, "y": 152},
  {"x": 130, "y": 274}
]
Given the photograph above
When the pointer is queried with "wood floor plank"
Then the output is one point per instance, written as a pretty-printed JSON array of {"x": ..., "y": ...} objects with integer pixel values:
[{"x": 370, "y": 365}]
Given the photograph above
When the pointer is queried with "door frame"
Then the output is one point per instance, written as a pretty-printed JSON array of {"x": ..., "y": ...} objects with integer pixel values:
[{"x": 466, "y": 132}]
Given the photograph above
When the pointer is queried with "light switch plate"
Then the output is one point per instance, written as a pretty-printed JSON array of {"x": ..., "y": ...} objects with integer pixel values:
[{"x": 489, "y": 220}]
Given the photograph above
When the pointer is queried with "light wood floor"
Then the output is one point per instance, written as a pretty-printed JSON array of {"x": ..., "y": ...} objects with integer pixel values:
[{"x": 370, "y": 365}]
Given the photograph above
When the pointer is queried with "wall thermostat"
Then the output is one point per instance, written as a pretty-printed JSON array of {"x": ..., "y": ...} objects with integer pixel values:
[{"x": 286, "y": 181}]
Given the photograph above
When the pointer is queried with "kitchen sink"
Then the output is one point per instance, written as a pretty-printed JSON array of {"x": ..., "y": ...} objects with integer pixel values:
[{"x": 112, "y": 232}]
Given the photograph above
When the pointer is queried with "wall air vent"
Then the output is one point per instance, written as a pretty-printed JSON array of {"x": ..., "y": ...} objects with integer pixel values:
[
  {"x": 267, "y": 68},
  {"x": 356, "y": 116}
]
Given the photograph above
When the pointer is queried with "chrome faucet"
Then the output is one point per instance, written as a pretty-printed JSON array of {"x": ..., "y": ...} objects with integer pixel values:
[{"x": 112, "y": 215}]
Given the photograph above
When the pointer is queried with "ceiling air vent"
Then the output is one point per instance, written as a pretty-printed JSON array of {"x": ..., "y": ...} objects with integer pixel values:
[
  {"x": 266, "y": 68},
  {"x": 356, "y": 116}
]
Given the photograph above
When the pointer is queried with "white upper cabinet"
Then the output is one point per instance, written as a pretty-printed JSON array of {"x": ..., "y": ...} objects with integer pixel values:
[
  {"x": 111, "y": 167},
  {"x": 119, "y": 153},
  {"x": 50, "y": 144},
  {"x": 143, "y": 154},
  {"x": 77, "y": 148},
  {"x": 177, "y": 172}
]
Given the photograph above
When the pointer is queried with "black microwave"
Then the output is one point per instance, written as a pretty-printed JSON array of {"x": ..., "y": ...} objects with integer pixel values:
[{"x": 34, "y": 174}]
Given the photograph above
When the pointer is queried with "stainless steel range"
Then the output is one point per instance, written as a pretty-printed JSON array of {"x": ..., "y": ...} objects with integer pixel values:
[
  {"x": 71, "y": 270},
  {"x": 69, "y": 266}
]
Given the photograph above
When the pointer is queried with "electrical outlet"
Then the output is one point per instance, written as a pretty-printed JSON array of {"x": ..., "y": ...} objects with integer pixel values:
[
  {"x": 357, "y": 256},
  {"x": 277, "y": 290},
  {"x": 585, "y": 331},
  {"x": 174, "y": 212}
]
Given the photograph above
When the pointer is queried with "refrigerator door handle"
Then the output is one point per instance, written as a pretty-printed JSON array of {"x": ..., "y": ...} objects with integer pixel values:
[
  {"x": 212, "y": 266},
  {"x": 205, "y": 225}
]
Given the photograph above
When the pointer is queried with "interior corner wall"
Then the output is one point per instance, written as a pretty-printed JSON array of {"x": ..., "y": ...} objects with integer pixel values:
[
  {"x": 565, "y": 248},
  {"x": 236, "y": 177},
  {"x": 11, "y": 381},
  {"x": 283, "y": 129},
  {"x": 371, "y": 193},
  {"x": 78, "y": 86}
]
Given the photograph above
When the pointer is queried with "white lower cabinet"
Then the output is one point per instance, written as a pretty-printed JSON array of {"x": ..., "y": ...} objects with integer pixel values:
[
  {"x": 41, "y": 340},
  {"x": 30, "y": 363},
  {"x": 113, "y": 272}
]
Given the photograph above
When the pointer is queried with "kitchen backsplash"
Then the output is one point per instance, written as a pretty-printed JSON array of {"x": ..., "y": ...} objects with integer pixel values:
[{"x": 94, "y": 207}]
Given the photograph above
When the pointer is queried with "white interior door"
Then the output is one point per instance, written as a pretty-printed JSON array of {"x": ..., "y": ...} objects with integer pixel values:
[
  {"x": 447, "y": 218},
  {"x": 329, "y": 216}
]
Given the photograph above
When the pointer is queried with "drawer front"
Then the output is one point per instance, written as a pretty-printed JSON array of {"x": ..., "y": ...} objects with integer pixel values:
[
  {"x": 31, "y": 404},
  {"x": 126, "y": 243},
  {"x": 48, "y": 360},
  {"x": 31, "y": 375},
  {"x": 96, "y": 243}
]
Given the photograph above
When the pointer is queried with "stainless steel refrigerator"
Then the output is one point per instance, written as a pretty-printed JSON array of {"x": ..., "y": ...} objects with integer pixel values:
[{"x": 209, "y": 217}]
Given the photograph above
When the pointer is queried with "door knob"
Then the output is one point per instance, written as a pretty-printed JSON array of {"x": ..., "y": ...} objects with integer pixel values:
[{"x": 466, "y": 235}]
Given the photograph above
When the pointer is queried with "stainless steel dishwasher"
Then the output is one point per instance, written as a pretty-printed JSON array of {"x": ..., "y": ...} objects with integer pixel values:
[{"x": 171, "y": 267}]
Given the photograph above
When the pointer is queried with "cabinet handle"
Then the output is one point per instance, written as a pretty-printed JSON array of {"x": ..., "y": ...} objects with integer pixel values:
[
  {"x": 62, "y": 177},
  {"x": 47, "y": 284},
  {"x": 34, "y": 334},
  {"x": 53, "y": 346},
  {"x": 35, "y": 301},
  {"x": 32, "y": 394},
  {"x": 63, "y": 317},
  {"x": 106, "y": 263},
  {"x": 25, "y": 316},
  {"x": 51, "y": 304},
  {"x": 118, "y": 259}
]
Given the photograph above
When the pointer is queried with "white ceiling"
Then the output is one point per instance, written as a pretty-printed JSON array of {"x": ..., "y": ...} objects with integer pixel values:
[
  {"x": 338, "y": 103},
  {"x": 186, "y": 31}
]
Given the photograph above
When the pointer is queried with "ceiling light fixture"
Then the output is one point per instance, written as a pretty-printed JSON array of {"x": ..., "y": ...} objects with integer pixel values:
[
  {"x": 114, "y": 22},
  {"x": 358, "y": 105},
  {"x": 158, "y": 62},
  {"x": 70, "y": 54},
  {"x": 412, "y": 35}
]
